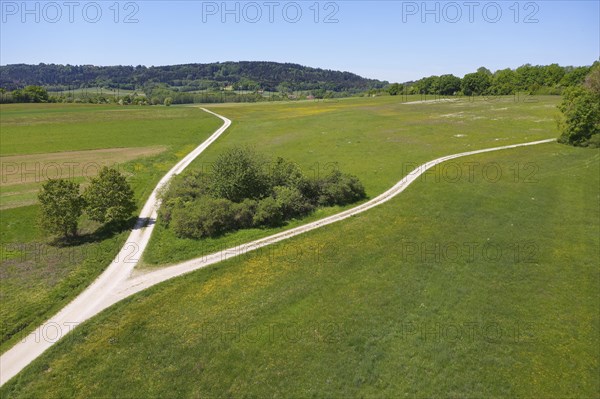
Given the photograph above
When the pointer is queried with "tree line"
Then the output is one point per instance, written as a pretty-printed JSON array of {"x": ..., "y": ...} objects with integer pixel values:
[
  {"x": 259, "y": 81},
  {"x": 245, "y": 75},
  {"x": 533, "y": 79},
  {"x": 159, "y": 95}
]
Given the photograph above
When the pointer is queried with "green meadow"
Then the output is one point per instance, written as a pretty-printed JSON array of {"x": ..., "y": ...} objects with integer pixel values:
[
  {"x": 379, "y": 140},
  {"x": 480, "y": 280},
  {"x": 373, "y": 306}
]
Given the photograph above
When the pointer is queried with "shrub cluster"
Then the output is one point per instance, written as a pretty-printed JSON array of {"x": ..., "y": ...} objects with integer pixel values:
[{"x": 242, "y": 190}]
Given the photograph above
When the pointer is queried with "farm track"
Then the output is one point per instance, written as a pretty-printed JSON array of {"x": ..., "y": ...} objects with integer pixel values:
[{"x": 118, "y": 281}]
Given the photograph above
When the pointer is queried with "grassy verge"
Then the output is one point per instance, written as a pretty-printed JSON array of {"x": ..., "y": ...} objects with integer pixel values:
[{"x": 482, "y": 287}]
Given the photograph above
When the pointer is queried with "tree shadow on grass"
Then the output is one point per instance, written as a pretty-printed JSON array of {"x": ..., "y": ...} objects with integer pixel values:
[{"x": 104, "y": 232}]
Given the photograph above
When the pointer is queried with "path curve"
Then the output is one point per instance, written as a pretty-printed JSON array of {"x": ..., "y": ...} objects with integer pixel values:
[
  {"x": 118, "y": 283},
  {"x": 141, "y": 282}
]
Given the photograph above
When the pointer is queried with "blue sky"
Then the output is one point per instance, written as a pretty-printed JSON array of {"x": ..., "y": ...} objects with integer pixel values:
[{"x": 389, "y": 40}]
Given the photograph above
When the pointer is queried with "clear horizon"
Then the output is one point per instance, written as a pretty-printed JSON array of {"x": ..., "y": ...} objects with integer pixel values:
[{"x": 396, "y": 41}]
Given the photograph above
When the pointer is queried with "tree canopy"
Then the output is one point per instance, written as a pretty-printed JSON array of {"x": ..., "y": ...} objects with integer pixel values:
[
  {"x": 61, "y": 206},
  {"x": 109, "y": 198},
  {"x": 550, "y": 79},
  {"x": 580, "y": 123},
  {"x": 244, "y": 75}
]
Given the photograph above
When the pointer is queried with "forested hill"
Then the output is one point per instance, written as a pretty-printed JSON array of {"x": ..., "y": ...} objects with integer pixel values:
[{"x": 246, "y": 75}]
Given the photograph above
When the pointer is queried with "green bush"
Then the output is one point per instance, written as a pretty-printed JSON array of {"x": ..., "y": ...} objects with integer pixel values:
[
  {"x": 291, "y": 202},
  {"x": 204, "y": 217},
  {"x": 186, "y": 221},
  {"x": 581, "y": 117},
  {"x": 188, "y": 186},
  {"x": 594, "y": 141},
  {"x": 241, "y": 192},
  {"x": 238, "y": 174},
  {"x": 165, "y": 212},
  {"x": 268, "y": 213},
  {"x": 286, "y": 174},
  {"x": 340, "y": 189},
  {"x": 243, "y": 213}
]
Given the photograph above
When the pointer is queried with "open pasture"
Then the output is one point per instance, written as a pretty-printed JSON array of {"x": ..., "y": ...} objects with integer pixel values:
[
  {"x": 481, "y": 279},
  {"x": 469, "y": 288},
  {"x": 380, "y": 140}
]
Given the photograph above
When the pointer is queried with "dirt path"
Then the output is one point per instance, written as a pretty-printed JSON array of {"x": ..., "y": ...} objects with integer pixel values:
[
  {"x": 439, "y": 100},
  {"x": 143, "y": 281},
  {"x": 117, "y": 282}
]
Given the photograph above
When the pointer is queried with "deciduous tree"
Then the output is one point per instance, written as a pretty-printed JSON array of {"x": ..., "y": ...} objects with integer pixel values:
[
  {"x": 475, "y": 83},
  {"x": 580, "y": 124},
  {"x": 109, "y": 198},
  {"x": 61, "y": 206}
]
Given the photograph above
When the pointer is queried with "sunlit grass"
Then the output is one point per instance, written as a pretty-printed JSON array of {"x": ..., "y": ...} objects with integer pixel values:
[
  {"x": 351, "y": 310},
  {"x": 379, "y": 140}
]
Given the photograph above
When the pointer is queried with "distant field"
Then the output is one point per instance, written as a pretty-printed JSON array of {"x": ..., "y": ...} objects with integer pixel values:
[
  {"x": 96, "y": 91},
  {"x": 483, "y": 287},
  {"x": 72, "y": 141},
  {"x": 44, "y": 128},
  {"x": 378, "y": 139}
]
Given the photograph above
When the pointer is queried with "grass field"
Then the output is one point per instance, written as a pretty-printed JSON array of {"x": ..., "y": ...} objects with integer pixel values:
[
  {"x": 378, "y": 139},
  {"x": 480, "y": 280},
  {"x": 72, "y": 141},
  {"x": 375, "y": 305}
]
